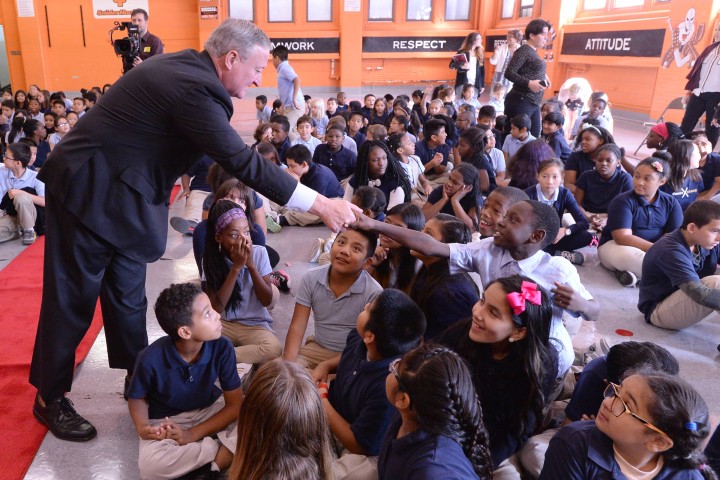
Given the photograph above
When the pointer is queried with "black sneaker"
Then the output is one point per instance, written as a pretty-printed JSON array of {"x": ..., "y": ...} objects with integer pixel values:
[
  {"x": 183, "y": 225},
  {"x": 626, "y": 278},
  {"x": 281, "y": 280},
  {"x": 126, "y": 387},
  {"x": 63, "y": 421},
  {"x": 576, "y": 258},
  {"x": 282, "y": 221}
]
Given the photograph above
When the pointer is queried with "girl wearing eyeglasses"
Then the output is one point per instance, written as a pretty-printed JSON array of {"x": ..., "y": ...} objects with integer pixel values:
[
  {"x": 507, "y": 346},
  {"x": 649, "y": 427},
  {"x": 439, "y": 432}
]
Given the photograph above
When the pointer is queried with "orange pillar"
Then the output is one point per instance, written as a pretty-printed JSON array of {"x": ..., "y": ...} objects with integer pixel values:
[
  {"x": 25, "y": 51},
  {"x": 351, "y": 33}
]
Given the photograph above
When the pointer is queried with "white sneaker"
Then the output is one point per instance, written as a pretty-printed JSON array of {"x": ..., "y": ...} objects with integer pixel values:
[
  {"x": 243, "y": 369},
  {"x": 317, "y": 249}
]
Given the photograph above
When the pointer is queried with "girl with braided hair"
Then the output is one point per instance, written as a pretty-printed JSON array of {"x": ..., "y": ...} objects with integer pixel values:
[
  {"x": 507, "y": 345},
  {"x": 652, "y": 425},
  {"x": 377, "y": 167},
  {"x": 439, "y": 432}
]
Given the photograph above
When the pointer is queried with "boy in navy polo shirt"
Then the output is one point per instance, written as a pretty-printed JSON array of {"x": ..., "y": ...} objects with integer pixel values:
[
  {"x": 354, "y": 128},
  {"x": 280, "y": 128},
  {"x": 679, "y": 287},
  {"x": 552, "y": 133},
  {"x": 172, "y": 394},
  {"x": 318, "y": 177},
  {"x": 434, "y": 152},
  {"x": 334, "y": 156},
  {"x": 356, "y": 405}
]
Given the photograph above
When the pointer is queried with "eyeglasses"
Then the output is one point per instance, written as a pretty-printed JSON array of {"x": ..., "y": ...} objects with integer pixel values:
[
  {"x": 5, "y": 157},
  {"x": 392, "y": 368},
  {"x": 612, "y": 391},
  {"x": 63, "y": 124}
]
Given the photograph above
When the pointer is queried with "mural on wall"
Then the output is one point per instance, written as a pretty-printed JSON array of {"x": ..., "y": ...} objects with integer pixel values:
[
  {"x": 684, "y": 38},
  {"x": 551, "y": 37}
]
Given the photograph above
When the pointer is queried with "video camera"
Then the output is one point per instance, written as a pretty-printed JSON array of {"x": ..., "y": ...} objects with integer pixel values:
[{"x": 129, "y": 47}]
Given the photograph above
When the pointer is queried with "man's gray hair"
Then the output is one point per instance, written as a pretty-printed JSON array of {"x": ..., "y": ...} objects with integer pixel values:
[{"x": 236, "y": 34}]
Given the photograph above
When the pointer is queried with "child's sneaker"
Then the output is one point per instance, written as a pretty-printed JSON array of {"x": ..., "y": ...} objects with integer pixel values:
[
  {"x": 576, "y": 258},
  {"x": 626, "y": 278},
  {"x": 183, "y": 225},
  {"x": 281, "y": 280},
  {"x": 329, "y": 243},
  {"x": 243, "y": 369},
  {"x": 28, "y": 236},
  {"x": 317, "y": 249},
  {"x": 272, "y": 225}
]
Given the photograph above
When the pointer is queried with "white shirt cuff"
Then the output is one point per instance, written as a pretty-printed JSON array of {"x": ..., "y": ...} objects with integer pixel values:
[{"x": 302, "y": 198}]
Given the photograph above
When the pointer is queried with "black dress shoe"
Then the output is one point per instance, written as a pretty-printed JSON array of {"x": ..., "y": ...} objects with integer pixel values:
[
  {"x": 63, "y": 421},
  {"x": 126, "y": 387}
]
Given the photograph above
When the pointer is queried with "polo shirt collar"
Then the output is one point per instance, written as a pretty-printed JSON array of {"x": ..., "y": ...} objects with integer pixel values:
[
  {"x": 677, "y": 234},
  {"x": 24, "y": 176},
  {"x": 541, "y": 197},
  {"x": 611, "y": 179},
  {"x": 527, "y": 265},
  {"x": 358, "y": 285},
  {"x": 172, "y": 356},
  {"x": 600, "y": 451}
]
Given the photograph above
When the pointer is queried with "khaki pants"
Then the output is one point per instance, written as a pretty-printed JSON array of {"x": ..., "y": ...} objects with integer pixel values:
[
  {"x": 294, "y": 217},
  {"x": 679, "y": 311},
  {"x": 508, "y": 470},
  {"x": 26, "y": 215},
  {"x": 252, "y": 344},
  {"x": 160, "y": 459},
  {"x": 312, "y": 354},
  {"x": 193, "y": 205},
  {"x": 532, "y": 454},
  {"x": 292, "y": 115},
  {"x": 621, "y": 258}
]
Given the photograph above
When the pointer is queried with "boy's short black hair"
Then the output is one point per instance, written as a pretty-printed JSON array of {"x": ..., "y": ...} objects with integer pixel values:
[
  {"x": 299, "y": 154},
  {"x": 21, "y": 153},
  {"x": 500, "y": 122},
  {"x": 173, "y": 308},
  {"x": 354, "y": 106},
  {"x": 397, "y": 322},
  {"x": 281, "y": 52},
  {"x": 334, "y": 127},
  {"x": 556, "y": 118},
  {"x": 354, "y": 113},
  {"x": 371, "y": 237},
  {"x": 546, "y": 219},
  {"x": 90, "y": 97},
  {"x": 627, "y": 357},
  {"x": 515, "y": 195},
  {"x": 369, "y": 95},
  {"x": 59, "y": 102},
  {"x": 521, "y": 121},
  {"x": 303, "y": 119},
  {"x": 417, "y": 93},
  {"x": 331, "y": 99},
  {"x": 8, "y": 103},
  {"x": 282, "y": 120},
  {"x": 432, "y": 127},
  {"x": 487, "y": 111},
  {"x": 371, "y": 198},
  {"x": 262, "y": 99},
  {"x": 536, "y": 27},
  {"x": 701, "y": 213}
]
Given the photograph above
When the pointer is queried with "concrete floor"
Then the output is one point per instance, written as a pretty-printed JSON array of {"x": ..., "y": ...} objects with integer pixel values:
[{"x": 97, "y": 390}]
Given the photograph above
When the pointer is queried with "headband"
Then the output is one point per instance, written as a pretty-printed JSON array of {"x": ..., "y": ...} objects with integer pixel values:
[
  {"x": 662, "y": 130},
  {"x": 587, "y": 126},
  {"x": 226, "y": 218}
]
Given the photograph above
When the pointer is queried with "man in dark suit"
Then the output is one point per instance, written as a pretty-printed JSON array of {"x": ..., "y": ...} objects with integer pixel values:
[{"x": 108, "y": 185}]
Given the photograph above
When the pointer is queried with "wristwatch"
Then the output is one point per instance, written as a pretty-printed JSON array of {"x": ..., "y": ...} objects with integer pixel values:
[{"x": 567, "y": 232}]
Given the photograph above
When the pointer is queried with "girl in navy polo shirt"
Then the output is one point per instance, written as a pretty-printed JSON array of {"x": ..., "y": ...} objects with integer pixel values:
[
  {"x": 507, "y": 346},
  {"x": 596, "y": 188},
  {"x": 379, "y": 114},
  {"x": 460, "y": 197},
  {"x": 590, "y": 139},
  {"x": 439, "y": 432},
  {"x": 650, "y": 426},
  {"x": 709, "y": 164},
  {"x": 685, "y": 181},
  {"x": 637, "y": 219},
  {"x": 549, "y": 191},
  {"x": 379, "y": 168}
]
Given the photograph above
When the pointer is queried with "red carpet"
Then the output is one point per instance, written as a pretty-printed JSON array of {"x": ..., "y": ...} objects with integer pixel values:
[{"x": 20, "y": 294}]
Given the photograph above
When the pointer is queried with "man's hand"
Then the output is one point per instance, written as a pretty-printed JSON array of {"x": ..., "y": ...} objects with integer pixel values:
[
  {"x": 137, "y": 61},
  {"x": 336, "y": 213}
]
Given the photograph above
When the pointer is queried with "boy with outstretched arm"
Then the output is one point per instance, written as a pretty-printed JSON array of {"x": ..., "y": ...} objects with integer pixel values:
[
  {"x": 515, "y": 249},
  {"x": 172, "y": 394}
]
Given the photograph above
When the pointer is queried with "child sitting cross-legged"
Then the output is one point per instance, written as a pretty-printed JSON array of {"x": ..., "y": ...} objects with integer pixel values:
[
  {"x": 334, "y": 156},
  {"x": 460, "y": 196},
  {"x": 356, "y": 405},
  {"x": 173, "y": 400},
  {"x": 439, "y": 432},
  {"x": 239, "y": 284},
  {"x": 335, "y": 294},
  {"x": 305, "y": 137}
]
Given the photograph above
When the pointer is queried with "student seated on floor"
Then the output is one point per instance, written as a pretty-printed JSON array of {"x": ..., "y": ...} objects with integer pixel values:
[
  {"x": 347, "y": 142},
  {"x": 495, "y": 208},
  {"x": 22, "y": 196},
  {"x": 622, "y": 360},
  {"x": 334, "y": 155},
  {"x": 173, "y": 400},
  {"x": 526, "y": 229},
  {"x": 280, "y": 131},
  {"x": 305, "y": 136},
  {"x": 552, "y": 134},
  {"x": 650, "y": 426},
  {"x": 433, "y": 152},
  {"x": 239, "y": 284},
  {"x": 460, "y": 196},
  {"x": 637, "y": 219},
  {"x": 679, "y": 287},
  {"x": 355, "y": 403},
  {"x": 438, "y": 431},
  {"x": 335, "y": 294},
  {"x": 519, "y": 136}
]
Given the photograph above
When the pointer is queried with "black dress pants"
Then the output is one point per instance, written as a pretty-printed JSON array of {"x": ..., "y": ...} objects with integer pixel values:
[
  {"x": 79, "y": 267},
  {"x": 697, "y": 105},
  {"x": 516, "y": 104}
]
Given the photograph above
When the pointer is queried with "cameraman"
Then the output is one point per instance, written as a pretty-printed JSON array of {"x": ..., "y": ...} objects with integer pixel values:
[{"x": 149, "y": 44}]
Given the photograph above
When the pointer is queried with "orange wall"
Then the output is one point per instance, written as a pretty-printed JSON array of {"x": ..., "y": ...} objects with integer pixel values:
[{"x": 48, "y": 49}]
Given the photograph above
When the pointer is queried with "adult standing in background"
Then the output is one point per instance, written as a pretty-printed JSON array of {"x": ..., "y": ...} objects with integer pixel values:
[
  {"x": 149, "y": 44},
  {"x": 473, "y": 70},
  {"x": 502, "y": 55},
  {"x": 526, "y": 71},
  {"x": 107, "y": 188},
  {"x": 702, "y": 91},
  {"x": 289, "y": 89}
]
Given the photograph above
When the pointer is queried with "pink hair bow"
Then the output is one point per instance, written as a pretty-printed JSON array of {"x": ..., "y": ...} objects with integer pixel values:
[{"x": 528, "y": 292}]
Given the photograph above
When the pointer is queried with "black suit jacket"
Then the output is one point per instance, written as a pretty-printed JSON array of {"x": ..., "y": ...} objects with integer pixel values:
[{"x": 116, "y": 168}]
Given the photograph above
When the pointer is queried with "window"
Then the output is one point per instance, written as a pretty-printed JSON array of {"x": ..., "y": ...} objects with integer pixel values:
[
  {"x": 602, "y": 7},
  {"x": 508, "y": 9},
  {"x": 594, "y": 4},
  {"x": 242, "y": 9},
  {"x": 280, "y": 10},
  {"x": 380, "y": 11},
  {"x": 628, "y": 3},
  {"x": 526, "y": 8},
  {"x": 457, "y": 9},
  {"x": 319, "y": 10},
  {"x": 419, "y": 9}
]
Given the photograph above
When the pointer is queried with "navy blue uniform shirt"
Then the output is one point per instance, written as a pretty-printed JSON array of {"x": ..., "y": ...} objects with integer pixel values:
[
  {"x": 321, "y": 179},
  {"x": 598, "y": 192},
  {"x": 342, "y": 163},
  {"x": 648, "y": 221}
]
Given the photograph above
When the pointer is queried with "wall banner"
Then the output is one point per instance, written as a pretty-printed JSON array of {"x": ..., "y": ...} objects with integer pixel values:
[
  {"x": 308, "y": 45},
  {"x": 629, "y": 43},
  {"x": 411, "y": 44},
  {"x": 118, "y": 8}
]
